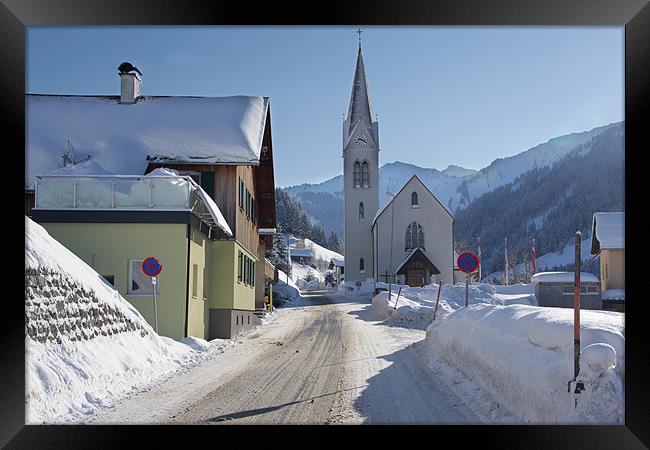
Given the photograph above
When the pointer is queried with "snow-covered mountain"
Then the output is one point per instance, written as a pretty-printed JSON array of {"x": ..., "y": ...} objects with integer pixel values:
[{"x": 455, "y": 186}]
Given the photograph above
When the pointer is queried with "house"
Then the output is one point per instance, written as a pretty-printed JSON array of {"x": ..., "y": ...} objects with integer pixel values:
[
  {"x": 222, "y": 143},
  {"x": 338, "y": 267},
  {"x": 301, "y": 255},
  {"x": 608, "y": 241},
  {"x": 420, "y": 229},
  {"x": 555, "y": 289},
  {"x": 115, "y": 222}
]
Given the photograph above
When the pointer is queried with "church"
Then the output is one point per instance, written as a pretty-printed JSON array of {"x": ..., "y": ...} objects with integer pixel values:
[{"x": 410, "y": 239}]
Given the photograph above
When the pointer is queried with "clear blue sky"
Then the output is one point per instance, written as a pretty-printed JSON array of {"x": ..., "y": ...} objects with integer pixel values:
[{"x": 443, "y": 95}]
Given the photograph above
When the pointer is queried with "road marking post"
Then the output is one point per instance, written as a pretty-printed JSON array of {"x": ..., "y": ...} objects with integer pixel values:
[{"x": 437, "y": 299}]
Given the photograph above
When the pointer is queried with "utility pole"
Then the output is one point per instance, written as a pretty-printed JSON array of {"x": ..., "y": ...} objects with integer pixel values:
[
  {"x": 392, "y": 222},
  {"x": 579, "y": 385}
]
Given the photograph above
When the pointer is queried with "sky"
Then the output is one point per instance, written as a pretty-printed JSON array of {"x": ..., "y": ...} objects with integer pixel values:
[{"x": 443, "y": 95}]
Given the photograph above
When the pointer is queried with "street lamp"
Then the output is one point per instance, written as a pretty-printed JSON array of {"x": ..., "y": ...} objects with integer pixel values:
[{"x": 390, "y": 261}]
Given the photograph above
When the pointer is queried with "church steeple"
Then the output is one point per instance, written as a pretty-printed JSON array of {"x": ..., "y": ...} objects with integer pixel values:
[{"x": 360, "y": 107}]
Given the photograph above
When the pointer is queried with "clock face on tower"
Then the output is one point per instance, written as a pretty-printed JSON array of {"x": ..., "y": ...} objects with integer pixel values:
[{"x": 361, "y": 139}]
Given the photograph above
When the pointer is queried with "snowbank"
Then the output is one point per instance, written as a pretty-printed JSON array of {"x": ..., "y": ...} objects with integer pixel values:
[
  {"x": 524, "y": 356},
  {"x": 415, "y": 306},
  {"x": 285, "y": 289},
  {"x": 85, "y": 346}
]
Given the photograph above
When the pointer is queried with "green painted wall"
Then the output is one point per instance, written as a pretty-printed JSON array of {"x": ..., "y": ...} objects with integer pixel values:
[
  {"x": 108, "y": 247},
  {"x": 226, "y": 292},
  {"x": 198, "y": 304}
]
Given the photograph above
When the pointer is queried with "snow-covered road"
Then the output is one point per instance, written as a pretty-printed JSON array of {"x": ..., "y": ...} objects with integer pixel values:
[{"x": 327, "y": 361}]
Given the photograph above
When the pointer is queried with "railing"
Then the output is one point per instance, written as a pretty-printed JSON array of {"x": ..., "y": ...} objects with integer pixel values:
[{"x": 113, "y": 192}]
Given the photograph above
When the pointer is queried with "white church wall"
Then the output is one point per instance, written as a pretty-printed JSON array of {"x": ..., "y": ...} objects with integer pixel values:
[{"x": 436, "y": 224}]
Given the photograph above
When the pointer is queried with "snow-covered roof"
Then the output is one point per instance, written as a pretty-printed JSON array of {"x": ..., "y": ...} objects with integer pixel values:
[
  {"x": 268, "y": 231},
  {"x": 304, "y": 252},
  {"x": 609, "y": 229},
  {"x": 123, "y": 138},
  {"x": 338, "y": 262},
  {"x": 563, "y": 277},
  {"x": 425, "y": 258},
  {"x": 613, "y": 294}
]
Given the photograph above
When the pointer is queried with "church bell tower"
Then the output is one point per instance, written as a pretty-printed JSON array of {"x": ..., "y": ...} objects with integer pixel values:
[{"x": 361, "y": 178}]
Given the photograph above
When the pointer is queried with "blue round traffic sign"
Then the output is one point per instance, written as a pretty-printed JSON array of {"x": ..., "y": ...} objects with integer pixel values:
[
  {"x": 151, "y": 266},
  {"x": 467, "y": 262}
]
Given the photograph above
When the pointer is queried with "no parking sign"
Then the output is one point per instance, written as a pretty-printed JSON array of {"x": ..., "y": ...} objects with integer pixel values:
[
  {"x": 152, "y": 267},
  {"x": 468, "y": 263}
]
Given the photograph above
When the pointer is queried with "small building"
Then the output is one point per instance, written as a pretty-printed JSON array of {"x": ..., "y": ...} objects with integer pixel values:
[
  {"x": 338, "y": 267},
  {"x": 608, "y": 241},
  {"x": 301, "y": 255},
  {"x": 555, "y": 289}
]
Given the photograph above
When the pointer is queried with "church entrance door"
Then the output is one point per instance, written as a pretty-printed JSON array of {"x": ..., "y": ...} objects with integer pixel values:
[{"x": 415, "y": 277}]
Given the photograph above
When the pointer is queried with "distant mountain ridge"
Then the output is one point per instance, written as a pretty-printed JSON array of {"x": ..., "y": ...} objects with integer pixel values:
[{"x": 455, "y": 186}]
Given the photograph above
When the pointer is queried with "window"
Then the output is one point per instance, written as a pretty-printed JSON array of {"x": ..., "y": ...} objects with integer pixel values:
[
  {"x": 357, "y": 174},
  {"x": 139, "y": 283},
  {"x": 361, "y": 211},
  {"x": 253, "y": 277},
  {"x": 253, "y": 211},
  {"x": 241, "y": 194},
  {"x": 584, "y": 290},
  {"x": 240, "y": 267},
  {"x": 361, "y": 265},
  {"x": 414, "y": 199},
  {"x": 195, "y": 280},
  {"x": 365, "y": 177},
  {"x": 248, "y": 204},
  {"x": 414, "y": 237}
]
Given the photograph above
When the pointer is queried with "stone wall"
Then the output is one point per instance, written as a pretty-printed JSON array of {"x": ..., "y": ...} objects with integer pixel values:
[{"x": 57, "y": 307}]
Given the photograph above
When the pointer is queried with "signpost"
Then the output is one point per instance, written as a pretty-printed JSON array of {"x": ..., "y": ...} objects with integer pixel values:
[
  {"x": 468, "y": 263},
  {"x": 152, "y": 267}
]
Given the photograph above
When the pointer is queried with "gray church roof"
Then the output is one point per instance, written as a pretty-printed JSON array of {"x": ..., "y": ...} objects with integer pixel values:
[{"x": 360, "y": 107}]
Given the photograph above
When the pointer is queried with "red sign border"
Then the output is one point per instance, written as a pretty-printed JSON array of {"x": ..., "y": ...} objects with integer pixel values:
[
  {"x": 478, "y": 261},
  {"x": 147, "y": 259}
]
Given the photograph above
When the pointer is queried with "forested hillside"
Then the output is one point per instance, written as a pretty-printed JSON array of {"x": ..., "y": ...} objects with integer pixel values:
[{"x": 549, "y": 204}]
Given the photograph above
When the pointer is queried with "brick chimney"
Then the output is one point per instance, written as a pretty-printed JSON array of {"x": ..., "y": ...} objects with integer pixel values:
[{"x": 130, "y": 87}]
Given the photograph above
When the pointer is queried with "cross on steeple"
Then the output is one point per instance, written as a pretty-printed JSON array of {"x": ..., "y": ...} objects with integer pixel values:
[{"x": 359, "y": 33}]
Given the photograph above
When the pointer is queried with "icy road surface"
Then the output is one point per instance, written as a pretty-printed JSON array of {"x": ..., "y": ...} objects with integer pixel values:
[{"x": 327, "y": 361}]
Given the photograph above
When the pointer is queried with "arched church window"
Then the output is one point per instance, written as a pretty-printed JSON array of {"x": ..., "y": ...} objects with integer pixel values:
[
  {"x": 408, "y": 242},
  {"x": 356, "y": 178},
  {"x": 414, "y": 236},
  {"x": 365, "y": 175},
  {"x": 361, "y": 265},
  {"x": 361, "y": 215},
  {"x": 414, "y": 199}
]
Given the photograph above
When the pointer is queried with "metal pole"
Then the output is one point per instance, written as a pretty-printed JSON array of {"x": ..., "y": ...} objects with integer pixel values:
[
  {"x": 437, "y": 299},
  {"x": 466, "y": 288},
  {"x": 155, "y": 307},
  {"x": 392, "y": 221},
  {"x": 271, "y": 297},
  {"x": 576, "y": 308}
]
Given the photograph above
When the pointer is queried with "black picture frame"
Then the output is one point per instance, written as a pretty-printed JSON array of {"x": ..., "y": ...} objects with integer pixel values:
[{"x": 16, "y": 15}]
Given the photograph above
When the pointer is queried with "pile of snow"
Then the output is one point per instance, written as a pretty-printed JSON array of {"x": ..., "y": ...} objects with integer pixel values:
[
  {"x": 613, "y": 294},
  {"x": 301, "y": 273},
  {"x": 415, "y": 306},
  {"x": 86, "y": 347},
  {"x": 285, "y": 289},
  {"x": 523, "y": 355},
  {"x": 563, "y": 277}
]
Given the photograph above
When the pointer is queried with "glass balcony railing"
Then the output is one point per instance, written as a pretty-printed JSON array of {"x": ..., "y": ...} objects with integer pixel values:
[{"x": 113, "y": 192}]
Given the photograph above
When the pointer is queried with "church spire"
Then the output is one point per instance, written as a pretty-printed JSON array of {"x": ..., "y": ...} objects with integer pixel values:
[{"x": 360, "y": 108}]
